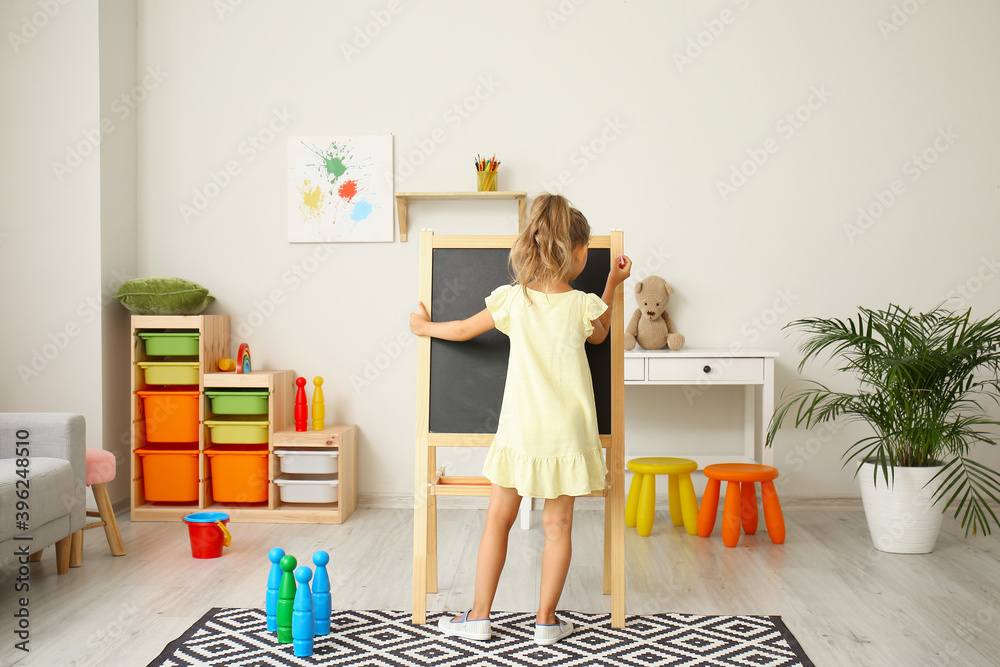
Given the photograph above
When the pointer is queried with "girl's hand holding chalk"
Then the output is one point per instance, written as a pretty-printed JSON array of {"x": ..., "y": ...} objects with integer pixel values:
[{"x": 621, "y": 270}]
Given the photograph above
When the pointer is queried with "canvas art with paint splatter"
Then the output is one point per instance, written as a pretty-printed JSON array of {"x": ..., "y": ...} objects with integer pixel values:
[{"x": 340, "y": 189}]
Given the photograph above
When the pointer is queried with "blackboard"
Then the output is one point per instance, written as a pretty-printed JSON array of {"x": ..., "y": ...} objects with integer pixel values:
[{"x": 467, "y": 378}]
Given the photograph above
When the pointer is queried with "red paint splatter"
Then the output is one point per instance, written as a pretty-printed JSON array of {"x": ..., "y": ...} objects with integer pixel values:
[{"x": 348, "y": 190}]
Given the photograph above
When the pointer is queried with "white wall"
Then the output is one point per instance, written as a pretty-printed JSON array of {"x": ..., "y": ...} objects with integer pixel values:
[
  {"x": 68, "y": 202},
  {"x": 50, "y": 211},
  {"x": 122, "y": 92},
  {"x": 662, "y": 134}
]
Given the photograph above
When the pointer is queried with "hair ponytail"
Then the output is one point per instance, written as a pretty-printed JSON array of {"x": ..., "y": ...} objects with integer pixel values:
[{"x": 544, "y": 249}]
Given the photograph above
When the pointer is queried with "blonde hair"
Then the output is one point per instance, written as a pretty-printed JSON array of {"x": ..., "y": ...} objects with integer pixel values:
[{"x": 544, "y": 249}]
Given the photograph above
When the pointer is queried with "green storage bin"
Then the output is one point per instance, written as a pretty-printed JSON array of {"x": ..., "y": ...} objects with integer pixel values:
[
  {"x": 170, "y": 372},
  {"x": 237, "y": 402},
  {"x": 232, "y": 432},
  {"x": 170, "y": 343}
]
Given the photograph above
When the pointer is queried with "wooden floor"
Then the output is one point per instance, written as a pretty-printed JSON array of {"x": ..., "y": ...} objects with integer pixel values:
[{"x": 846, "y": 603}]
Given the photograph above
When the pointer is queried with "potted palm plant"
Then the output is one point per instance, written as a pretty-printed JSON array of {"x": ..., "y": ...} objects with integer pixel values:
[{"x": 925, "y": 381}]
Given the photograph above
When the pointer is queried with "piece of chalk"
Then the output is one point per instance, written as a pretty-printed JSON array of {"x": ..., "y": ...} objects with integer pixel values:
[{"x": 621, "y": 261}]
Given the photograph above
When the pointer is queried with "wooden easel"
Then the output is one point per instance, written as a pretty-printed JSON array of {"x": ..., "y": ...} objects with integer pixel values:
[{"x": 429, "y": 484}]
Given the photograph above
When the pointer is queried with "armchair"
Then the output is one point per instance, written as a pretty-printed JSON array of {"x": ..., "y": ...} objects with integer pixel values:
[{"x": 49, "y": 483}]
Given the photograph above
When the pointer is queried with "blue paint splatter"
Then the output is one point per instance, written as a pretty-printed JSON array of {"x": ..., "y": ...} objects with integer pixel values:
[{"x": 362, "y": 209}]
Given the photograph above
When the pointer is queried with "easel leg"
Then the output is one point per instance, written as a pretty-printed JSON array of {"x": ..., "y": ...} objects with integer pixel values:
[
  {"x": 615, "y": 528},
  {"x": 432, "y": 540},
  {"x": 420, "y": 528},
  {"x": 525, "y": 513},
  {"x": 432, "y": 531},
  {"x": 420, "y": 558},
  {"x": 432, "y": 545},
  {"x": 617, "y": 541},
  {"x": 607, "y": 545}
]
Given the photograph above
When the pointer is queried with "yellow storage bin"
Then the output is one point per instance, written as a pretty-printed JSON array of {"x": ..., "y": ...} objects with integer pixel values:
[
  {"x": 232, "y": 432},
  {"x": 169, "y": 372}
]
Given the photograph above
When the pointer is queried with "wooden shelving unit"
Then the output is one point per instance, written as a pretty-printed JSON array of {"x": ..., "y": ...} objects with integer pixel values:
[
  {"x": 213, "y": 345},
  {"x": 404, "y": 198}
]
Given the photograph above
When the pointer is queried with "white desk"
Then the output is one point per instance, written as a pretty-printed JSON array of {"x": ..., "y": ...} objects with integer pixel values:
[{"x": 753, "y": 369}]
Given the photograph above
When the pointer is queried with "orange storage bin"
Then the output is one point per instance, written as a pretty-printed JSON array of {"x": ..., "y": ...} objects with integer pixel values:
[
  {"x": 169, "y": 473},
  {"x": 239, "y": 473},
  {"x": 171, "y": 416}
]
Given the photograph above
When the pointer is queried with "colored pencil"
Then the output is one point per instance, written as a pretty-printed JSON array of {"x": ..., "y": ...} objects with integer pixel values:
[{"x": 483, "y": 164}]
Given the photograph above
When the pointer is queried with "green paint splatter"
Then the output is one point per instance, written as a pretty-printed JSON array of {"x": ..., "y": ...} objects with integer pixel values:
[
  {"x": 333, "y": 159},
  {"x": 335, "y": 166}
]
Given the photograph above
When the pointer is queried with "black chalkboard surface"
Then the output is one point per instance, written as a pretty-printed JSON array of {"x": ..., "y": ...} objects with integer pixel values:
[{"x": 467, "y": 378}]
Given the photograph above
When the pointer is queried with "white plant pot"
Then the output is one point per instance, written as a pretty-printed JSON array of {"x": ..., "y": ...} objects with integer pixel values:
[{"x": 902, "y": 517}]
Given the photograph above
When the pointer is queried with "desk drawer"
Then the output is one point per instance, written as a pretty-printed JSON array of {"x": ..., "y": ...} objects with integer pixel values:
[
  {"x": 635, "y": 369},
  {"x": 722, "y": 370}
]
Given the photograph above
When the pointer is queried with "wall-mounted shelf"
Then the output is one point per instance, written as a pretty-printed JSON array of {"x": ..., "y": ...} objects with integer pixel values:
[{"x": 404, "y": 198}]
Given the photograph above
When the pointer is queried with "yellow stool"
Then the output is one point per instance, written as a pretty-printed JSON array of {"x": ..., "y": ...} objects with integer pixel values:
[{"x": 641, "y": 503}]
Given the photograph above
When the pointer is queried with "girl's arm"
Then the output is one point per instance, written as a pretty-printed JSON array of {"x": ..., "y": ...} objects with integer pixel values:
[
  {"x": 602, "y": 325},
  {"x": 481, "y": 322}
]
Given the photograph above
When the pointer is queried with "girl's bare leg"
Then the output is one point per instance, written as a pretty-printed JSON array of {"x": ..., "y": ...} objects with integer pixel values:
[
  {"x": 557, "y": 520},
  {"x": 504, "y": 504}
]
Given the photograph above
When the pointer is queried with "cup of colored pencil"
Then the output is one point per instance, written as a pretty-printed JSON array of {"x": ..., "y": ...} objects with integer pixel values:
[{"x": 486, "y": 174}]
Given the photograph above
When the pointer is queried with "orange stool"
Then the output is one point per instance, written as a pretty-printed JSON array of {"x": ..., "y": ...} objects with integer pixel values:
[
  {"x": 741, "y": 502},
  {"x": 100, "y": 470},
  {"x": 641, "y": 503}
]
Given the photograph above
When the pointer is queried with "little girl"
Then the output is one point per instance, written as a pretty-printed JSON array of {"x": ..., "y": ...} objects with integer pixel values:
[{"x": 547, "y": 444}]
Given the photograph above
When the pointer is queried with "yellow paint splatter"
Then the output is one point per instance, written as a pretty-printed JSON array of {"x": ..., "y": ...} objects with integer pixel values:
[{"x": 311, "y": 204}]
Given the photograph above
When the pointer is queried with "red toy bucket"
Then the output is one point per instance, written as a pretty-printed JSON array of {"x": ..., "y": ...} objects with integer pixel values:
[{"x": 208, "y": 533}]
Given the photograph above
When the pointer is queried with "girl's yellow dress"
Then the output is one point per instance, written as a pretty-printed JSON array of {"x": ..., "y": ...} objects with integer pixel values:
[{"x": 547, "y": 444}]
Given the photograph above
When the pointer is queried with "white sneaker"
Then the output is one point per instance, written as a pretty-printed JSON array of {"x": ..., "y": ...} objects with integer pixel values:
[
  {"x": 547, "y": 634},
  {"x": 478, "y": 629}
]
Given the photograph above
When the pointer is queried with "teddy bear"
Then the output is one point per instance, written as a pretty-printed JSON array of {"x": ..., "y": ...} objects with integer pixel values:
[{"x": 651, "y": 326}]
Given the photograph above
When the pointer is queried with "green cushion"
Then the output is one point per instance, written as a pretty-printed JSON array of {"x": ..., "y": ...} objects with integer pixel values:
[{"x": 163, "y": 296}]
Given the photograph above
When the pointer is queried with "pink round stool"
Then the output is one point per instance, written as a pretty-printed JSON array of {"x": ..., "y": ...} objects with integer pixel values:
[{"x": 100, "y": 470}]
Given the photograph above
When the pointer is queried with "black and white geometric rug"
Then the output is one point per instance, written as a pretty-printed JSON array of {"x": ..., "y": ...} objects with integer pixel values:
[{"x": 239, "y": 638}]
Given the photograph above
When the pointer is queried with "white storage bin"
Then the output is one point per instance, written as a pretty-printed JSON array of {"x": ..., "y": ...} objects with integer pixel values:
[
  {"x": 307, "y": 461},
  {"x": 307, "y": 489}
]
